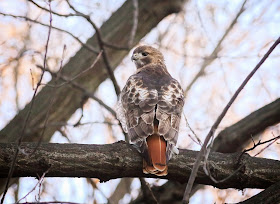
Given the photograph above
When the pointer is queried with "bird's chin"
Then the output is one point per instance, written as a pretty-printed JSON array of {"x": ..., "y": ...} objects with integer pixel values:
[{"x": 139, "y": 63}]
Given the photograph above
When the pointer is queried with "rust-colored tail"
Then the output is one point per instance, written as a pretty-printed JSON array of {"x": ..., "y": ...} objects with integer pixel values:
[{"x": 157, "y": 153}]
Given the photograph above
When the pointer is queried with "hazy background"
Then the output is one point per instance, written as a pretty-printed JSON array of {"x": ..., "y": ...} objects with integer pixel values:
[{"x": 186, "y": 40}]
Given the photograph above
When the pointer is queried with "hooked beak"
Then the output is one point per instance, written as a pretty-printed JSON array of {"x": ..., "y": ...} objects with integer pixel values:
[{"x": 135, "y": 57}]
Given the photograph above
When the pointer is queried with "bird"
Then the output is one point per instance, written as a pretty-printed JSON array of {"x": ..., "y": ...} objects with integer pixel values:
[{"x": 149, "y": 108}]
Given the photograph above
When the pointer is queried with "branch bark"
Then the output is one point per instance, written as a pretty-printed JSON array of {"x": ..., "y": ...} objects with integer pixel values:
[
  {"x": 236, "y": 137},
  {"x": 120, "y": 160}
]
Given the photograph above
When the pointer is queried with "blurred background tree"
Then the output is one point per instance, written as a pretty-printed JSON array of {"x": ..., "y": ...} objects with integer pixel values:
[{"x": 209, "y": 46}]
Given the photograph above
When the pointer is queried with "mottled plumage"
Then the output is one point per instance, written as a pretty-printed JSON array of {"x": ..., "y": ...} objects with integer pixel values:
[{"x": 150, "y": 108}]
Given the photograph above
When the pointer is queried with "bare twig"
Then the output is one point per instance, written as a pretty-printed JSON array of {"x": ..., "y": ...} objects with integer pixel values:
[
  {"x": 83, "y": 90},
  {"x": 29, "y": 111},
  {"x": 217, "y": 122},
  {"x": 197, "y": 141},
  {"x": 84, "y": 99},
  {"x": 107, "y": 44},
  {"x": 208, "y": 60},
  {"x": 272, "y": 140},
  {"x": 55, "y": 28},
  {"x": 101, "y": 46},
  {"x": 32, "y": 79},
  {"x": 206, "y": 164},
  {"x": 58, "y": 124},
  {"x": 78, "y": 75},
  {"x": 33, "y": 189},
  {"x": 52, "y": 97}
]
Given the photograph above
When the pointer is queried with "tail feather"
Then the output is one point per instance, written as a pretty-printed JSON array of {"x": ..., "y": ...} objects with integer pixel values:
[{"x": 157, "y": 153}]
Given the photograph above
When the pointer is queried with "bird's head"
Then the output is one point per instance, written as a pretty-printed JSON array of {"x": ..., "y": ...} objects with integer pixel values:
[{"x": 144, "y": 55}]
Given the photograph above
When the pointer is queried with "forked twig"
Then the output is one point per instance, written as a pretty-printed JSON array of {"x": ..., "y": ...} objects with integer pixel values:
[
  {"x": 207, "y": 169},
  {"x": 38, "y": 183}
]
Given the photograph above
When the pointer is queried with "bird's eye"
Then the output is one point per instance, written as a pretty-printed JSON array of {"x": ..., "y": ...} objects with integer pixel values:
[{"x": 145, "y": 54}]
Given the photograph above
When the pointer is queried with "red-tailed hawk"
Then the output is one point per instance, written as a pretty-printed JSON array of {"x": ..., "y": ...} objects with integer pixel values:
[{"x": 150, "y": 108}]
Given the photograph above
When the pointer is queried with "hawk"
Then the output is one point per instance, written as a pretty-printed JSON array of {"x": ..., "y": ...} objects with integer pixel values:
[{"x": 149, "y": 109}]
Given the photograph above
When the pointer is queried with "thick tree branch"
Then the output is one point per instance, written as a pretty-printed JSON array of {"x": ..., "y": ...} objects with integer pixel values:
[
  {"x": 120, "y": 160},
  {"x": 235, "y": 137}
]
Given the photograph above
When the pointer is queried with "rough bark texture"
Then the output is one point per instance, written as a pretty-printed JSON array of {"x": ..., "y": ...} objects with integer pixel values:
[
  {"x": 232, "y": 139},
  {"x": 67, "y": 100},
  {"x": 120, "y": 160},
  {"x": 235, "y": 137}
]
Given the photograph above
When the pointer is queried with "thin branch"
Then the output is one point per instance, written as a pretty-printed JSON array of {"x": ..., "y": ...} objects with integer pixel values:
[
  {"x": 107, "y": 44},
  {"x": 59, "y": 124},
  {"x": 33, "y": 189},
  {"x": 208, "y": 60},
  {"x": 235, "y": 137},
  {"x": 122, "y": 189},
  {"x": 78, "y": 75},
  {"x": 101, "y": 46},
  {"x": 217, "y": 122},
  {"x": 53, "y": 12},
  {"x": 55, "y": 28},
  {"x": 197, "y": 141},
  {"x": 52, "y": 98},
  {"x": 82, "y": 89},
  {"x": 272, "y": 140},
  {"x": 29, "y": 111},
  {"x": 32, "y": 79}
]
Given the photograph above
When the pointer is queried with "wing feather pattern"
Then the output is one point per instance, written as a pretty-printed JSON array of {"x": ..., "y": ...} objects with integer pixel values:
[{"x": 140, "y": 105}]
